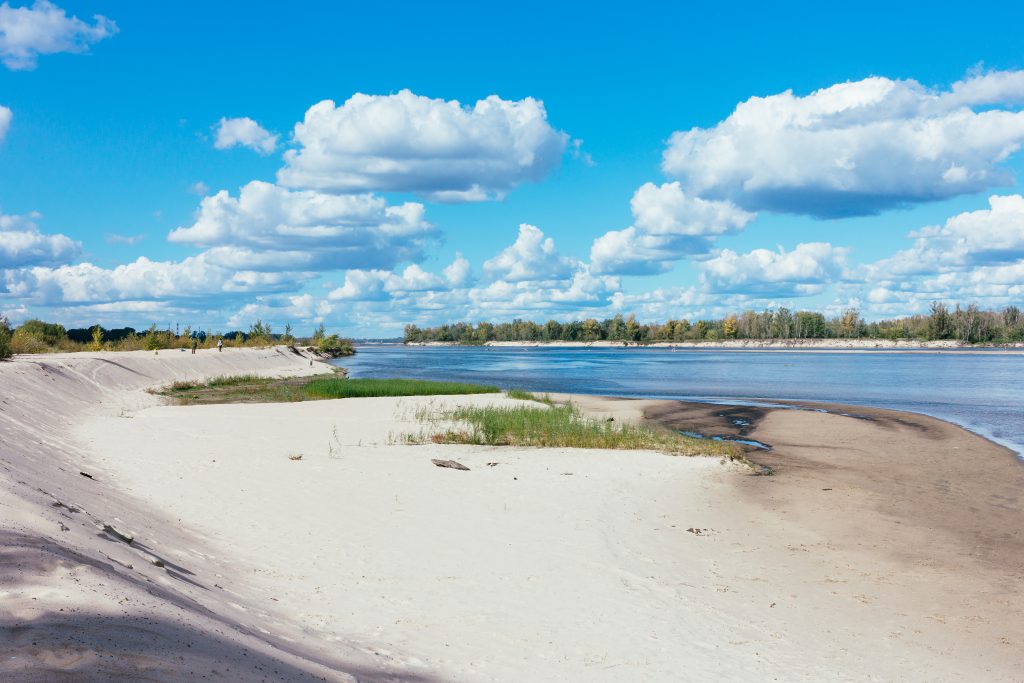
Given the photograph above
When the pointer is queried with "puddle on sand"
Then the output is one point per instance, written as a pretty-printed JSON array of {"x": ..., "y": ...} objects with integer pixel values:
[{"x": 747, "y": 442}]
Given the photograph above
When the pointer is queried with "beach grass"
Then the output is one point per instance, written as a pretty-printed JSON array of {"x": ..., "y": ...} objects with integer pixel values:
[
  {"x": 561, "y": 426},
  {"x": 255, "y": 389},
  {"x": 333, "y": 387},
  {"x": 521, "y": 395}
]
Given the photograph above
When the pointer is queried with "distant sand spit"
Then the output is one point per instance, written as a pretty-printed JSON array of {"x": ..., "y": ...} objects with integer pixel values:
[{"x": 364, "y": 561}]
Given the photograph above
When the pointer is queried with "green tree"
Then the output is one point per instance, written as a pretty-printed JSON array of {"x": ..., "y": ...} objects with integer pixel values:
[
  {"x": 5, "y": 338},
  {"x": 939, "y": 322}
]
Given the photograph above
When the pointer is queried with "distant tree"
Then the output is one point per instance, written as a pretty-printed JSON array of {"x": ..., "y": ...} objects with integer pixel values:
[
  {"x": 939, "y": 323},
  {"x": 729, "y": 326},
  {"x": 5, "y": 338},
  {"x": 849, "y": 323},
  {"x": 97, "y": 338},
  {"x": 321, "y": 332}
]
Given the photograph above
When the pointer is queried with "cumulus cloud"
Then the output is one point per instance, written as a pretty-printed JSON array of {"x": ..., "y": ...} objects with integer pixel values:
[
  {"x": 409, "y": 143},
  {"x": 988, "y": 236},
  {"x": 193, "y": 278},
  {"x": 301, "y": 308},
  {"x": 530, "y": 258},
  {"x": 268, "y": 227},
  {"x": 856, "y": 148},
  {"x": 973, "y": 256},
  {"x": 668, "y": 225},
  {"x": 21, "y": 244},
  {"x": 243, "y": 132},
  {"x": 381, "y": 285},
  {"x": 44, "y": 29},
  {"x": 5, "y": 121},
  {"x": 804, "y": 271}
]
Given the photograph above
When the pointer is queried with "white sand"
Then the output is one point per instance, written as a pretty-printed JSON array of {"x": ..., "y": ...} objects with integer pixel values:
[{"x": 364, "y": 559}]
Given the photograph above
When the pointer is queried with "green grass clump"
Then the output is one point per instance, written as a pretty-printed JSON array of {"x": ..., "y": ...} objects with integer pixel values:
[
  {"x": 529, "y": 396},
  {"x": 563, "y": 427},
  {"x": 363, "y": 388}
]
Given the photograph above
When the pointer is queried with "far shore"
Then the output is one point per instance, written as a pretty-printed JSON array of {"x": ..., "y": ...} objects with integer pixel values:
[{"x": 825, "y": 345}]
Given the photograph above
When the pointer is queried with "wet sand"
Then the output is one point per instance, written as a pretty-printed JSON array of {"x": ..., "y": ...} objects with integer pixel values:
[{"x": 924, "y": 518}]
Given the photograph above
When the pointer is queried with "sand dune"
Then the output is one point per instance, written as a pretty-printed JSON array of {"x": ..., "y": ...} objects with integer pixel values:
[{"x": 362, "y": 560}]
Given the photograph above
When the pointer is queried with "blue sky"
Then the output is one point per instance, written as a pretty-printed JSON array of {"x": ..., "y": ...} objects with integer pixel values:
[{"x": 804, "y": 201}]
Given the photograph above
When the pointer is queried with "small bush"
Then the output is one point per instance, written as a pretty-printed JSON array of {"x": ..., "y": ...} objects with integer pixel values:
[
  {"x": 36, "y": 336},
  {"x": 336, "y": 347}
]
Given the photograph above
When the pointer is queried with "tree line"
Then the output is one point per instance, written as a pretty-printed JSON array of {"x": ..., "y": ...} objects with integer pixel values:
[
  {"x": 968, "y": 324},
  {"x": 37, "y": 336}
]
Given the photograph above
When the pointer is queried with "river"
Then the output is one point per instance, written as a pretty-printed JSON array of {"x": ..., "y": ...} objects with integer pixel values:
[{"x": 983, "y": 392}]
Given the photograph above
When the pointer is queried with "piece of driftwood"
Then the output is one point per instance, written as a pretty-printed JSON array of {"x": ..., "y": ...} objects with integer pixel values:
[{"x": 450, "y": 464}]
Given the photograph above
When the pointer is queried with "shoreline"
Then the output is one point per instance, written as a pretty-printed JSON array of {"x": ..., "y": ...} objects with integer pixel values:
[
  {"x": 361, "y": 560},
  {"x": 776, "y": 345}
]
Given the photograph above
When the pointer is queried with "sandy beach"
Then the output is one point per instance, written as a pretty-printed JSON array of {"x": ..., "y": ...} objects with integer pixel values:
[{"x": 145, "y": 541}]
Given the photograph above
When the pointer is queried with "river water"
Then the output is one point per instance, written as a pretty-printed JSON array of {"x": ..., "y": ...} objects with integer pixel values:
[{"x": 983, "y": 392}]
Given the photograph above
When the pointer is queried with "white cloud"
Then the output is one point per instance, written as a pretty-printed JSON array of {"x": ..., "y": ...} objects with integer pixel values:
[
  {"x": 381, "y": 285},
  {"x": 44, "y": 29},
  {"x": 5, "y": 121},
  {"x": 409, "y": 143},
  {"x": 578, "y": 153},
  {"x": 199, "y": 187},
  {"x": 974, "y": 256},
  {"x": 244, "y": 132},
  {"x": 530, "y": 258},
  {"x": 988, "y": 236},
  {"x": 269, "y": 227},
  {"x": 458, "y": 272},
  {"x": 281, "y": 310},
  {"x": 856, "y": 148},
  {"x": 804, "y": 271},
  {"x": 21, "y": 244},
  {"x": 668, "y": 225},
  {"x": 193, "y": 279}
]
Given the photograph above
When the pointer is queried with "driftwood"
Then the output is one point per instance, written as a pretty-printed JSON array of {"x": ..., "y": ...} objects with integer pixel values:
[{"x": 450, "y": 464}]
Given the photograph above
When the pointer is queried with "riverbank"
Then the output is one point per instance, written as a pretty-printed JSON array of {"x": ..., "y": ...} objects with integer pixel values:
[
  {"x": 305, "y": 541},
  {"x": 849, "y": 345}
]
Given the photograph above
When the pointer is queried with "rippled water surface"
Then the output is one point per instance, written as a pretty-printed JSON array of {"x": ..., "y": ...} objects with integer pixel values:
[{"x": 983, "y": 392}]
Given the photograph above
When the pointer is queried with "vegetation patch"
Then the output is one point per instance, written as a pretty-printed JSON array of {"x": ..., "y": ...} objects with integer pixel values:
[
  {"x": 237, "y": 389},
  {"x": 560, "y": 426},
  {"x": 521, "y": 395},
  {"x": 37, "y": 336},
  {"x": 333, "y": 387},
  {"x": 5, "y": 338},
  {"x": 253, "y": 389}
]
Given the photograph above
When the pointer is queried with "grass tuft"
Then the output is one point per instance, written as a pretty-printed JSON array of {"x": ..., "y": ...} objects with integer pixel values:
[
  {"x": 562, "y": 427},
  {"x": 529, "y": 396}
]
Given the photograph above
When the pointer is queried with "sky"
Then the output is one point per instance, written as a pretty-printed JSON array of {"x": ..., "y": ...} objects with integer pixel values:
[{"x": 369, "y": 165}]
